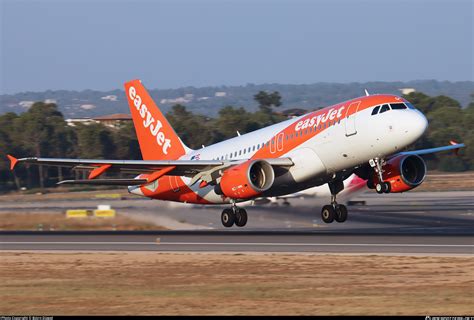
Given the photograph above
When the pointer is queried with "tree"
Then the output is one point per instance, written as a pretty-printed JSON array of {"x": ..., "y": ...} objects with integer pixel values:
[
  {"x": 41, "y": 133},
  {"x": 447, "y": 121},
  {"x": 191, "y": 128},
  {"x": 267, "y": 100},
  {"x": 94, "y": 141},
  {"x": 126, "y": 142},
  {"x": 232, "y": 119}
]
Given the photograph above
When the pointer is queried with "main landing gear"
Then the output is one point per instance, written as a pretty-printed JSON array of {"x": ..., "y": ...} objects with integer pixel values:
[
  {"x": 234, "y": 215},
  {"x": 334, "y": 211},
  {"x": 381, "y": 186}
]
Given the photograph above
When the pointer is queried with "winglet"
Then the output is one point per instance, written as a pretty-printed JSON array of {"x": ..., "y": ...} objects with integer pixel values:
[
  {"x": 456, "y": 151},
  {"x": 13, "y": 161}
]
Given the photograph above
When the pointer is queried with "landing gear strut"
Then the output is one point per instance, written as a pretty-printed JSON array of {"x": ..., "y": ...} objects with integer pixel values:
[
  {"x": 381, "y": 186},
  {"x": 334, "y": 211},
  {"x": 234, "y": 215}
]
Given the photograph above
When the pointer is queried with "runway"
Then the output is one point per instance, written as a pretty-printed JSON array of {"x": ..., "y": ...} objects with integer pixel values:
[
  {"x": 212, "y": 241},
  {"x": 412, "y": 223}
]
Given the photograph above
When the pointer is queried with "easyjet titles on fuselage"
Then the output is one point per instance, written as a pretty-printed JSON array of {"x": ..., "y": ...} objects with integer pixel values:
[{"x": 331, "y": 114}]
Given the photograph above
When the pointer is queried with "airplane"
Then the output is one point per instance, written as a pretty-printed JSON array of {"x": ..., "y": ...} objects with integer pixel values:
[{"x": 365, "y": 136}]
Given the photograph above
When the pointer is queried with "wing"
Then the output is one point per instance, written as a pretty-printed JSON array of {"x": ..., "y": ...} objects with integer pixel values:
[
  {"x": 195, "y": 169},
  {"x": 453, "y": 146}
]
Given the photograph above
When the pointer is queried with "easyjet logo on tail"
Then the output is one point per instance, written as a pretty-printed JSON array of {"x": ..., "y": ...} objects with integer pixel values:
[{"x": 155, "y": 126}]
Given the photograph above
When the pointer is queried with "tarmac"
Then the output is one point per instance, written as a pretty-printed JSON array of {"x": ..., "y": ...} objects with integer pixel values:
[{"x": 408, "y": 223}]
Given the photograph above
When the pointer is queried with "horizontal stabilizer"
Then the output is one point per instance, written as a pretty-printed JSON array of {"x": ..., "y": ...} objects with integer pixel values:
[{"x": 109, "y": 182}]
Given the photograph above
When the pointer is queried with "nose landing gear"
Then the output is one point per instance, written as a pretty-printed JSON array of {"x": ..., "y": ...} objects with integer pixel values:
[
  {"x": 234, "y": 215},
  {"x": 334, "y": 211},
  {"x": 381, "y": 186}
]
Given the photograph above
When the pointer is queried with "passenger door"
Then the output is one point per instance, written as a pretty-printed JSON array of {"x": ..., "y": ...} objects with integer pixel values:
[{"x": 351, "y": 118}]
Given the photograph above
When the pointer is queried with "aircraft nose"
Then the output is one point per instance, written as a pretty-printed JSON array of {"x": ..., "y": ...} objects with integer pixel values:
[
  {"x": 421, "y": 123},
  {"x": 416, "y": 125}
]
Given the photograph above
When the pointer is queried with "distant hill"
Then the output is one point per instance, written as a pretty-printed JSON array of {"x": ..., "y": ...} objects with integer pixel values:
[{"x": 208, "y": 100}]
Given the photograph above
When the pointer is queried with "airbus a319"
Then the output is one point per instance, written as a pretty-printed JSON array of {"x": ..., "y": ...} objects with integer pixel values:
[{"x": 365, "y": 136}]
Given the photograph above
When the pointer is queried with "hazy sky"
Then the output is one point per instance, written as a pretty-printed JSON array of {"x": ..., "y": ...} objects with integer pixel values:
[{"x": 168, "y": 44}]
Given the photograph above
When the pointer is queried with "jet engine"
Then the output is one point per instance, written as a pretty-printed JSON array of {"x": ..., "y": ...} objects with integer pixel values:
[
  {"x": 246, "y": 180},
  {"x": 403, "y": 172}
]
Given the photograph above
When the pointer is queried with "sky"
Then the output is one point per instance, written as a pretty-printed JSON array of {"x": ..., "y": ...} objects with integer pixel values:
[{"x": 100, "y": 44}]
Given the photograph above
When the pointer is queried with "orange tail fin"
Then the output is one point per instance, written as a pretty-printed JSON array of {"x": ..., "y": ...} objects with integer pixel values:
[{"x": 158, "y": 140}]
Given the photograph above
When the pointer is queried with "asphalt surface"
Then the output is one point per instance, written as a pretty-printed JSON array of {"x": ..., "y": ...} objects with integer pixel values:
[
  {"x": 423, "y": 222},
  {"x": 211, "y": 241}
]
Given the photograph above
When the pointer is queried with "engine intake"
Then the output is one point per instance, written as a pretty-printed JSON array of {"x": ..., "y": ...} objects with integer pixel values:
[
  {"x": 246, "y": 180},
  {"x": 404, "y": 172}
]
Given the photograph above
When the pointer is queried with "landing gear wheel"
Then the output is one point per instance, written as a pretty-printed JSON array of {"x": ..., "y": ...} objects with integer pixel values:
[
  {"x": 240, "y": 217},
  {"x": 341, "y": 213},
  {"x": 387, "y": 187},
  {"x": 370, "y": 184},
  {"x": 227, "y": 218},
  {"x": 384, "y": 187},
  {"x": 328, "y": 213},
  {"x": 379, "y": 188}
]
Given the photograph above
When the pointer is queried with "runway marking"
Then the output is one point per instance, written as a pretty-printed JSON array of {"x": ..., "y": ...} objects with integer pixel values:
[
  {"x": 240, "y": 244},
  {"x": 320, "y": 244}
]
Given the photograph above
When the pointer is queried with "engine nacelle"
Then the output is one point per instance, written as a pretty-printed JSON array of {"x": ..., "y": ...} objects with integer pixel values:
[
  {"x": 404, "y": 172},
  {"x": 246, "y": 180}
]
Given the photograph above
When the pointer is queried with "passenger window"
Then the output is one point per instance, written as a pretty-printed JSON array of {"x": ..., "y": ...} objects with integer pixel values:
[
  {"x": 398, "y": 106},
  {"x": 240, "y": 152},
  {"x": 384, "y": 108},
  {"x": 376, "y": 110}
]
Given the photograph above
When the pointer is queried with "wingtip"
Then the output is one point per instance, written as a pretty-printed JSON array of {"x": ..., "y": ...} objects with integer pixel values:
[
  {"x": 13, "y": 161},
  {"x": 454, "y": 143}
]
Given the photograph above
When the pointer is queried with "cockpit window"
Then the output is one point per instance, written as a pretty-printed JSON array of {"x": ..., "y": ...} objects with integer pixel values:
[
  {"x": 409, "y": 105},
  {"x": 376, "y": 110},
  {"x": 384, "y": 108},
  {"x": 398, "y": 106}
]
